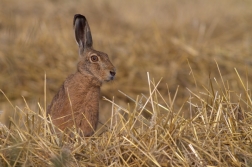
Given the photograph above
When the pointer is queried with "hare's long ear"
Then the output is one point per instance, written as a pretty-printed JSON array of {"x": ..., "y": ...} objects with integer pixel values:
[{"x": 82, "y": 32}]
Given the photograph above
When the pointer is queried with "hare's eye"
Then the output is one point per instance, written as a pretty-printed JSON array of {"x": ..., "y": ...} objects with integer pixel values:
[{"x": 94, "y": 58}]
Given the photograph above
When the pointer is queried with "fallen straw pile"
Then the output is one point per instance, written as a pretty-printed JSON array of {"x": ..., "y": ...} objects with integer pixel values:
[{"x": 217, "y": 133}]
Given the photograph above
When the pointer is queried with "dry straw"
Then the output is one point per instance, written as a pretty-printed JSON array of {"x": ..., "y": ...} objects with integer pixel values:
[{"x": 217, "y": 133}]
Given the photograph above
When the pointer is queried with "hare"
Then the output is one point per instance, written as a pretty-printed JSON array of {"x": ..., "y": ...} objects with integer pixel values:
[{"x": 77, "y": 102}]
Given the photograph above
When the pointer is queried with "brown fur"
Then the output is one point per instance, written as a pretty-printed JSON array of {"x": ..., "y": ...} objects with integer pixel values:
[{"x": 77, "y": 102}]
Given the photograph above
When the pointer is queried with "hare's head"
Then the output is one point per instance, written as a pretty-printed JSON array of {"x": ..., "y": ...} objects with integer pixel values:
[{"x": 92, "y": 62}]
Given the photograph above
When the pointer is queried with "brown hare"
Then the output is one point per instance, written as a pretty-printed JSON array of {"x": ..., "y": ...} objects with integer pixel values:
[{"x": 77, "y": 102}]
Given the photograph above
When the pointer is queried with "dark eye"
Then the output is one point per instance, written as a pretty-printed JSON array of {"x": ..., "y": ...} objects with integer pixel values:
[{"x": 94, "y": 58}]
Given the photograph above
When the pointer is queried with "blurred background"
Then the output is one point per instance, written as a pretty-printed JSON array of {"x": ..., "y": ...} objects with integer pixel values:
[{"x": 178, "y": 41}]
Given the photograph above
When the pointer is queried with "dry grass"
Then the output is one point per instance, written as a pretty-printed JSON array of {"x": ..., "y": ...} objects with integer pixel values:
[
  {"x": 219, "y": 134},
  {"x": 206, "y": 121}
]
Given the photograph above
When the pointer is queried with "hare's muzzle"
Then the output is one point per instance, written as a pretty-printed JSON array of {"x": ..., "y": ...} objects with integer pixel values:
[{"x": 112, "y": 74}]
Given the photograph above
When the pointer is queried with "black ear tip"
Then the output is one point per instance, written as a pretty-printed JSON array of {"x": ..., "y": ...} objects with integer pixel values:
[{"x": 78, "y": 16}]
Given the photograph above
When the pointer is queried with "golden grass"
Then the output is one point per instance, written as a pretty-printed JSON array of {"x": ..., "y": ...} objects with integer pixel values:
[
  {"x": 218, "y": 133},
  {"x": 198, "y": 115}
]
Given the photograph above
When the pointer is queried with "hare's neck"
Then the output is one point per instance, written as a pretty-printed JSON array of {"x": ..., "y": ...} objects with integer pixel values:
[
  {"x": 84, "y": 81},
  {"x": 88, "y": 79},
  {"x": 80, "y": 86}
]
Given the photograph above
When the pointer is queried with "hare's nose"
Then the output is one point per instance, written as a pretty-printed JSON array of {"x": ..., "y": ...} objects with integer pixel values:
[{"x": 112, "y": 73}]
